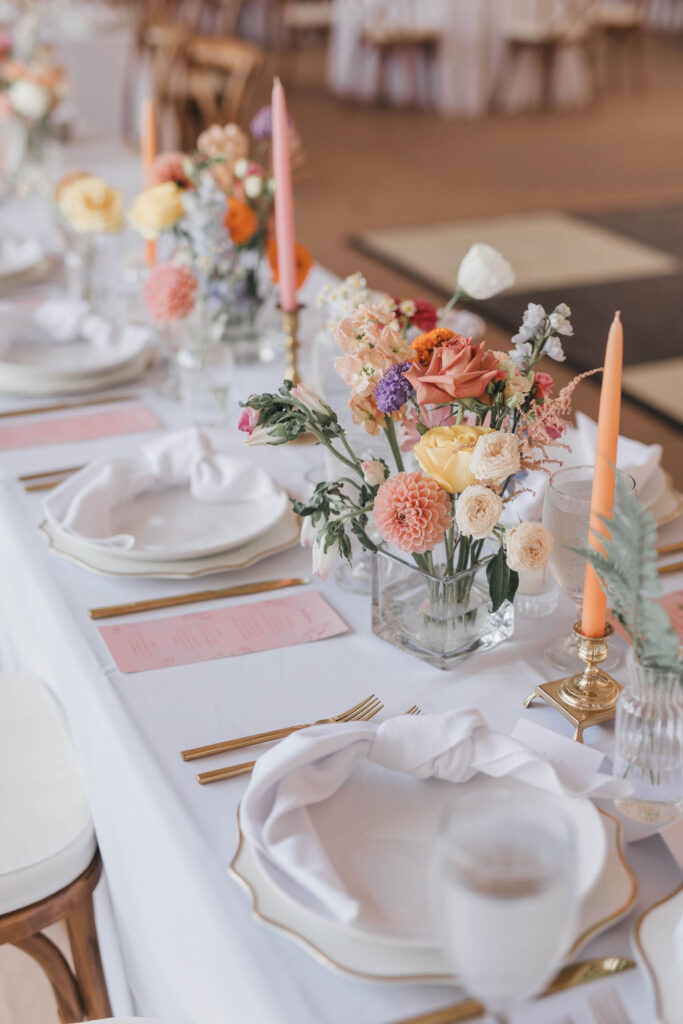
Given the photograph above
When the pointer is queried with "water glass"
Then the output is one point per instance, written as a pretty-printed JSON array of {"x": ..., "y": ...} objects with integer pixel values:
[{"x": 504, "y": 893}]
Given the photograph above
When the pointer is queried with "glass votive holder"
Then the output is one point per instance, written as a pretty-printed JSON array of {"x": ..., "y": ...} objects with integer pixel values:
[
  {"x": 205, "y": 374},
  {"x": 537, "y": 595}
]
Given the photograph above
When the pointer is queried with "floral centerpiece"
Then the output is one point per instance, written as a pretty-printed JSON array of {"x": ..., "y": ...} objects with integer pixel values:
[
  {"x": 90, "y": 216},
  {"x": 475, "y": 421},
  {"x": 213, "y": 209},
  {"x": 649, "y": 720},
  {"x": 32, "y": 88}
]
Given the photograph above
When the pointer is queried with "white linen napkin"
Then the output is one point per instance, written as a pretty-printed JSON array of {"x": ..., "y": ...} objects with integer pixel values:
[
  {"x": 638, "y": 460},
  {"x": 61, "y": 321},
  {"x": 311, "y": 765},
  {"x": 82, "y": 504}
]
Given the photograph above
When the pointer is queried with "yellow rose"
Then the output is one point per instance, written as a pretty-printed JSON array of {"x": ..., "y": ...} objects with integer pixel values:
[
  {"x": 89, "y": 205},
  {"x": 156, "y": 210},
  {"x": 444, "y": 453}
]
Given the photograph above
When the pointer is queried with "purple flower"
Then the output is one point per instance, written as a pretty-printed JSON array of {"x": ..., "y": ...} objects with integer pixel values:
[
  {"x": 261, "y": 126},
  {"x": 394, "y": 390}
]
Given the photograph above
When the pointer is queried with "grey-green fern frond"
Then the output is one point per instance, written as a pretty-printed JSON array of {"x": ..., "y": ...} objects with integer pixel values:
[{"x": 628, "y": 575}]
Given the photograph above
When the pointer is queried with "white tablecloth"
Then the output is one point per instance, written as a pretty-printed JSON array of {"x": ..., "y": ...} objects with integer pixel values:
[
  {"x": 468, "y": 62},
  {"x": 192, "y": 952}
]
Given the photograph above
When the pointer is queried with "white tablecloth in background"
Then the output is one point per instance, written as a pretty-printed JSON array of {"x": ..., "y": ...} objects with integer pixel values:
[
  {"x": 467, "y": 65},
  {"x": 192, "y": 952}
]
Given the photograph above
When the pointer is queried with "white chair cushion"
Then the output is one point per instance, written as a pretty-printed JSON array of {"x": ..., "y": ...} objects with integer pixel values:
[{"x": 47, "y": 832}]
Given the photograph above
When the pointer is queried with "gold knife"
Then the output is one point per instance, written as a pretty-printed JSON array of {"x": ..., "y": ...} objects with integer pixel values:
[
  {"x": 568, "y": 977},
  {"x": 152, "y": 604},
  {"x": 672, "y": 567}
]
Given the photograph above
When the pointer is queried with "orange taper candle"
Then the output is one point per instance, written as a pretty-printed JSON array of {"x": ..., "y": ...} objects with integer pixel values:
[
  {"x": 148, "y": 154},
  {"x": 602, "y": 498}
]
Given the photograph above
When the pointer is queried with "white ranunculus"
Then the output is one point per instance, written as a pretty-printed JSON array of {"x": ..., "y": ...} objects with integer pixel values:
[
  {"x": 529, "y": 546},
  {"x": 253, "y": 186},
  {"x": 240, "y": 167},
  {"x": 484, "y": 272},
  {"x": 477, "y": 511},
  {"x": 323, "y": 560},
  {"x": 29, "y": 99},
  {"x": 495, "y": 457}
]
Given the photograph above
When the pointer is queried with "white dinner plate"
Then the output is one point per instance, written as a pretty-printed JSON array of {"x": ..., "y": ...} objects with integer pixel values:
[
  {"x": 18, "y": 256},
  {"x": 384, "y": 943},
  {"x": 125, "y": 373},
  {"x": 658, "y": 946},
  {"x": 283, "y": 535}
]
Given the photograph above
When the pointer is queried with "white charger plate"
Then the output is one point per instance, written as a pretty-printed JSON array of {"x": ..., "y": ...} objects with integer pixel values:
[
  {"x": 654, "y": 945},
  {"x": 125, "y": 373},
  {"x": 395, "y": 953},
  {"x": 283, "y": 535}
]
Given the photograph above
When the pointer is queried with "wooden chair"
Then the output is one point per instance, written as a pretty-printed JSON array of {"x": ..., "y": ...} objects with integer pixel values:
[
  {"x": 212, "y": 83},
  {"x": 303, "y": 20},
  {"x": 620, "y": 26},
  {"x": 538, "y": 30},
  {"x": 49, "y": 862},
  {"x": 402, "y": 40}
]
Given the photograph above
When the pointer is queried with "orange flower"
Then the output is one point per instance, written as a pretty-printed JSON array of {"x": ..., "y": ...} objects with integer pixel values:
[
  {"x": 240, "y": 220},
  {"x": 302, "y": 258},
  {"x": 425, "y": 344}
]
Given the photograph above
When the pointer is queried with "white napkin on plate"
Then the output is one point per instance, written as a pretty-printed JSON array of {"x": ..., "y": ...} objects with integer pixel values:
[
  {"x": 17, "y": 254},
  {"x": 65, "y": 320},
  {"x": 640, "y": 461},
  {"x": 82, "y": 504},
  {"x": 311, "y": 765}
]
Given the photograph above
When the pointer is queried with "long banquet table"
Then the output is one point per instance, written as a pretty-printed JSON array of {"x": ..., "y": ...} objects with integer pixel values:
[{"x": 178, "y": 937}]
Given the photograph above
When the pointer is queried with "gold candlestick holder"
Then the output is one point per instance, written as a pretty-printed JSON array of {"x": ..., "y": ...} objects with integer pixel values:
[
  {"x": 290, "y": 328},
  {"x": 589, "y": 697}
]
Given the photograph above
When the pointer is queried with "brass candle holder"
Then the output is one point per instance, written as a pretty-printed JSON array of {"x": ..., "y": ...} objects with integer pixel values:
[
  {"x": 589, "y": 697},
  {"x": 290, "y": 328}
]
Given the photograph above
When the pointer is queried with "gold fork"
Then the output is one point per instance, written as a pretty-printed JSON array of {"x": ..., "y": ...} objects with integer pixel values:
[
  {"x": 247, "y": 767},
  {"x": 351, "y": 715}
]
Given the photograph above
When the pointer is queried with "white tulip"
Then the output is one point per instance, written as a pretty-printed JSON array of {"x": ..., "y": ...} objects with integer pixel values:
[
  {"x": 484, "y": 272},
  {"x": 323, "y": 560},
  {"x": 29, "y": 99}
]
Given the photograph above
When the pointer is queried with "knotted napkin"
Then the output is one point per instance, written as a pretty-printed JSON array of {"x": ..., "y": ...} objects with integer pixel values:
[
  {"x": 311, "y": 765},
  {"x": 82, "y": 504},
  {"x": 60, "y": 321}
]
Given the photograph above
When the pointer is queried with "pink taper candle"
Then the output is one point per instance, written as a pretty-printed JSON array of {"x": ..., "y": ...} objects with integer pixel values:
[
  {"x": 602, "y": 499},
  {"x": 284, "y": 203},
  {"x": 148, "y": 154}
]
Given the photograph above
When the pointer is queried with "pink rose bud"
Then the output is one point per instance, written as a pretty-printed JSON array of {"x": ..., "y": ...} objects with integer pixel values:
[
  {"x": 248, "y": 420},
  {"x": 374, "y": 472},
  {"x": 544, "y": 384}
]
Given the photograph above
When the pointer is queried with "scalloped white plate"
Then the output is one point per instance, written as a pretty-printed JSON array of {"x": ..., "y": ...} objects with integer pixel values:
[{"x": 658, "y": 946}]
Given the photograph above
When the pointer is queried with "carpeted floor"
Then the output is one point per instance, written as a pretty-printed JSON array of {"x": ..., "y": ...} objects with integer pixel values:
[{"x": 631, "y": 260}]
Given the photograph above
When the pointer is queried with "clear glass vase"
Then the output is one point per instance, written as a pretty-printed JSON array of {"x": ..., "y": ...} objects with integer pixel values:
[
  {"x": 248, "y": 308},
  {"x": 205, "y": 373},
  {"x": 441, "y": 619},
  {"x": 32, "y": 158},
  {"x": 648, "y": 747}
]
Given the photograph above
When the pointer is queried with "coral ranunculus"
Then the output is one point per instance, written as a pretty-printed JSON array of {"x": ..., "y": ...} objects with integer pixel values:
[
  {"x": 412, "y": 512},
  {"x": 457, "y": 369},
  {"x": 302, "y": 257},
  {"x": 241, "y": 221}
]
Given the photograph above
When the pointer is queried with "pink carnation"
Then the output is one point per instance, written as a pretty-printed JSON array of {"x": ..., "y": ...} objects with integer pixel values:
[
  {"x": 170, "y": 293},
  {"x": 170, "y": 167},
  {"x": 412, "y": 512}
]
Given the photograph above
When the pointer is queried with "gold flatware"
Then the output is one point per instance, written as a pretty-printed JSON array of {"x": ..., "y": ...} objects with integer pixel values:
[
  {"x": 673, "y": 567},
  {"x": 47, "y": 485},
  {"x": 27, "y": 477},
  {"x": 61, "y": 406},
  {"x": 113, "y": 610},
  {"x": 575, "y": 974},
  {"x": 670, "y": 549},
  {"x": 247, "y": 767},
  {"x": 352, "y": 714}
]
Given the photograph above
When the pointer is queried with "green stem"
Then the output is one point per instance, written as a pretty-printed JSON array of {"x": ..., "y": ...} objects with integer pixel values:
[
  {"x": 390, "y": 431},
  {"x": 457, "y": 294}
]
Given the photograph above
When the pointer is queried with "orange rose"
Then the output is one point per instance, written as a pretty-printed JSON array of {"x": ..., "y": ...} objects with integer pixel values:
[
  {"x": 457, "y": 369},
  {"x": 302, "y": 257},
  {"x": 241, "y": 221}
]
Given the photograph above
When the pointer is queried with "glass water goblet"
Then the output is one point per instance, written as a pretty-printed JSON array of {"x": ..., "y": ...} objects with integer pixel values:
[
  {"x": 504, "y": 893},
  {"x": 566, "y": 513}
]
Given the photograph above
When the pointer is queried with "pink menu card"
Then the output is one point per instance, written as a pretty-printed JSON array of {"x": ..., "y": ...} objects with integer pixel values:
[
  {"x": 86, "y": 426},
  {"x": 672, "y": 605},
  {"x": 222, "y": 632}
]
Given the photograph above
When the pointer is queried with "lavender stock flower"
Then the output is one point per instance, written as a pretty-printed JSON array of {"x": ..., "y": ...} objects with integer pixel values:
[{"x": 393, "y": 391}]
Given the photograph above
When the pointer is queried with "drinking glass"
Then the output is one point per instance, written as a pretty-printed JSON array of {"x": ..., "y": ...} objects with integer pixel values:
[
  {"x": 504, "y": 893},
  {"x": 566, "y": 513}
]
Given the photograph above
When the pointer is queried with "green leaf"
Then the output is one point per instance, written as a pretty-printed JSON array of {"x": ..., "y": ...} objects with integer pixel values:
[{"x": 500, "y": 579}]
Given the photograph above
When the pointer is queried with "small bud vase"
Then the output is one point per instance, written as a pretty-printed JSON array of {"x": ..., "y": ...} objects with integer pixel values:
[{"x": 649, "y": 744}]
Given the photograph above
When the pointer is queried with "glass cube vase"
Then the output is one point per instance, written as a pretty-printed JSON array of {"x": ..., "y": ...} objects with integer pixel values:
[
  {"x": 648, "y": 744},
  {"x": 441, "y": 619}
]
